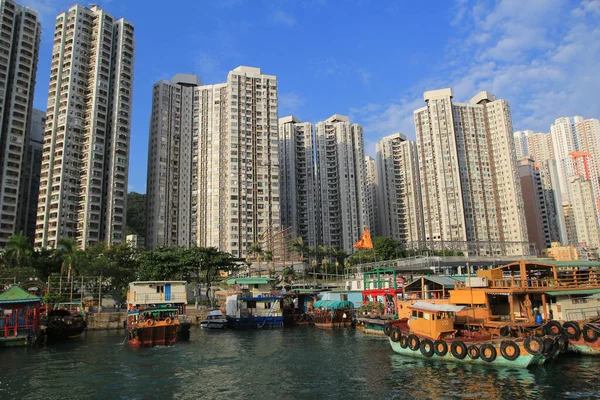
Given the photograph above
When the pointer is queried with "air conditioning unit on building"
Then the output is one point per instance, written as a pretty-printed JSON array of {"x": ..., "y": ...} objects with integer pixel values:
[{"x": 476, "y": 281}]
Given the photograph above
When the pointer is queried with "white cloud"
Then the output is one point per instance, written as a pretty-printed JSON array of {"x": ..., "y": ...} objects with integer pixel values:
[
  {"x": 541, "y": 56},
  {"x": 281, "y": 17}
]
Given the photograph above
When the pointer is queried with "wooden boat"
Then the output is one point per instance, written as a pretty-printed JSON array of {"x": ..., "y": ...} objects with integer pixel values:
[
  {"x": 19, "y": 318},
  {"x": 149, "y": 327},
  {"x": 430, "y": 333},
  {"x": 297, "y": 307},
  {"x": 584, "y": 336},
  {"x": 331, "y": 314},
  {"x": 65, "y": 321},
  {"x": 214, "y": 320}
]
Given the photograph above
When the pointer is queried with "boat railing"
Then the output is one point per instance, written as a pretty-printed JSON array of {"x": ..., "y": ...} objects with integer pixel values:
[
  {"x": 160, "y": 298},
  {"x": 575, "y": 279}
]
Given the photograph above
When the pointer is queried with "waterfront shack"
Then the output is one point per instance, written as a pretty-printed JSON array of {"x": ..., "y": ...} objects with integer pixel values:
[
  {"x": 19, "y": 318},
  {"x": 252, "y": 303},
  {"x": 157, "y": 293}
]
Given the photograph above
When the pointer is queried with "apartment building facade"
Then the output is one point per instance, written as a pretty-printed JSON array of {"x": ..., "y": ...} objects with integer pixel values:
[
  {"x": 20, "y": 33},
  {"x": 224, "y": 177},
  {"x": 399, "y": 191},
  {"x": 371, "y": 184},
  {"x": 85, "y": 163},
  {"x": 470, "y": 186},
  {"x": 297, "y": 179},
  {"x": 340, "y": 181}
]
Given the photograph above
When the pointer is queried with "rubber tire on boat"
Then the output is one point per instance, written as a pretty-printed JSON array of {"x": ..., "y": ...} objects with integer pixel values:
[
  {"x": 473, "y": 352},
  {"x": 426, "y": 347},
  {"x": 549, "y": 345},
  {"x": 440, "y": 351},
  {"x": 413, "y": 342},
  {"x": 567, "y": 326},
  {"x": 552, "y": 328},
  {"x": 404, "y": 341},
  {"x": 563, "y": 343},
  {"x": 516, "y": 350},
  {"x": 387, "y": 329},
  {"x": 529, "y": 340},
  {"x": 396, "y": 335},
  {"x": 492, "y": 350},
  {"x": 505, "y": 331},
  {"x": 454, "y": 350},
  {"x": 590, "y": 333}
]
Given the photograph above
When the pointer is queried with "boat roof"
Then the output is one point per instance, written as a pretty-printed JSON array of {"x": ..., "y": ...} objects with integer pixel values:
[
  {"x": 573, "y": 291},
  {"x": 260, "y": 298},
  {"x": 249, "y": 281},
  {"x": 153, "y": 309},
  {"x": 336, "y": 305},
  {"x": 17, "y": 295},
  {"x": 215, "y": 312},
  {"x": 154, "y": 282},
  {"x": 423, "y": 306}
]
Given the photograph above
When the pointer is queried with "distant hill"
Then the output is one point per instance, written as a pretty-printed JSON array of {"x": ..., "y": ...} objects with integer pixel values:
[{"x": 136, "y": 214}]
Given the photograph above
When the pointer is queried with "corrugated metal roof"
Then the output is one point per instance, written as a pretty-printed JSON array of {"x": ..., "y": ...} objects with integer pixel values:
[
  {"x": 567, "y": 264},
  {"x": 575, "y": 291},
  {"x": 249, "y": 281},
  {"x": 445, "y": 281},
  {"x": 17, "y": 295}
]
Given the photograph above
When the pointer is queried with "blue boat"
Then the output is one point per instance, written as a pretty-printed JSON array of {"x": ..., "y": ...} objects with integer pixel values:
[{"x": 253, "y": 306}]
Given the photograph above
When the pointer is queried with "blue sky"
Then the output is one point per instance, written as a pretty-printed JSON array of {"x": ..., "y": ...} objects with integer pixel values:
[{"x": 371, "y": 60}]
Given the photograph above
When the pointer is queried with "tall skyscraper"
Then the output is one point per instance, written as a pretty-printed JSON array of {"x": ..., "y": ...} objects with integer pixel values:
[
  {"x": 584, "y": 212},
  {"x": 83, "y": 187},
  {"x": 400, "y": 207},
  {"x": 564, "y": 141},
  {"x": 539, "y": 146},
  {"x": 213, "y": 165},
  {"x": 470, "y": 186},
  {"x": 297, "y": 178},
  {"x": 19, "y": 44},
  {"x": 30, "y": 183},
  {"x": 520, "y": 138},
  {"x": 340, "y": 181},
  {"x": 536, "y": 210},
  {"x": 371, "y": 183}
]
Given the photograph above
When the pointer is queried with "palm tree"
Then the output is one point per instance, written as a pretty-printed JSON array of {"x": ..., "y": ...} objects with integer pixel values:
[
  {"x": 257, "y": 250},
  {"x": 18, "y": 251},
  {"x": 68, "y": 252},
  {"x": 268, "y": 258},
  {"x": 299, "y": 247}
]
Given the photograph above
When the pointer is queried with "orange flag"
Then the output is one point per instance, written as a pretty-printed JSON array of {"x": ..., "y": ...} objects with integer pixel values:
[{"x": 365, "y": 241}]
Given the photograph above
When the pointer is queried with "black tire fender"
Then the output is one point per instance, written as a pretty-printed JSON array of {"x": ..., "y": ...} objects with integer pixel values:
[
  {"x": 404, "y": 341},
  {"x": 483, "y": 352},
  {"x": 590, "y": 333},
  {"x": 505, "y": 345},
  {"x": 413, "y": 342},
  {"x": 426, "y": 347},
  {"x": 473, "y": 352},
  {"x": 440, "y": 348},
  {"x": 553, "y": 328},
  {"x": 533, "y": 345},
  {"x": 572, "y": 330},
  {"x": 387, "y": 329},
  {"x": 456, "y": 353},
  {"x": 395, "y": 335}
]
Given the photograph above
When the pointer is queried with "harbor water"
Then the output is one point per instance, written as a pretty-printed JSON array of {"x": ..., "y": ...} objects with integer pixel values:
[{"x": 302, "y": 363}]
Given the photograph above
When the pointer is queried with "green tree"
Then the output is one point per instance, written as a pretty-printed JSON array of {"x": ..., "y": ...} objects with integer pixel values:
[
  {"x": 163, "y": 263},
  {"x": 386, "y": 248},
  {"x": 18, "y": 251},
  {"x": 46, "y": 262},
  {"x": 299, "y": 247},
  {"x": 136, "y": 214},
  {"x": 257, "y": 250},
  {"x": 69, "y": 254}
]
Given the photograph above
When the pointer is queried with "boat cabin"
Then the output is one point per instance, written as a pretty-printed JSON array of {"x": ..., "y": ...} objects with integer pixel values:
[
  {"x": 155, "y": 293},
  {"x": 251, "y": 286},
  {"x": 136, "y": 315},
  {"x": 19, "y": 317},
  {"x": 524, "y": 291},
  {"x": 433, "y": 320}
]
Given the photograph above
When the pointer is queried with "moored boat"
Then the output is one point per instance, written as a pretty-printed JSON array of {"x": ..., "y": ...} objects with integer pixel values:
[
  {"x": 214, "y": 320},
  {"x": 331, "y": 314},
  {"x": 151, "y": 327},
  {"x": 584, "y": 336},
  {"x": 19, "y": 318},
  {"x": 65, "y": 321},
  {"x": 430, "y": 333}
]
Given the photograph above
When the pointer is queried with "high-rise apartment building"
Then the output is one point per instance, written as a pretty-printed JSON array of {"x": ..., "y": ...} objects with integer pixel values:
[
  {"x": 213, "y": 166},
  {"x": 469, "y": 178},
  {"x": 520, "y": 138},
  {"x": 297, "y": 179},
  {"x": 584, "y": 212},
  {"x": 400, "y": 207},
  {"x": 539, "y": 146},
  {"x": 19, "y": 44},
  {"x": 83, "y": 187},
  {"x": 30, "y": 183},
  {"x": 564, "y": 142},
  {"x": 340, "y": 181},
  {"x": 371, "y": 183},
  {"x": 536, "y": 213}
]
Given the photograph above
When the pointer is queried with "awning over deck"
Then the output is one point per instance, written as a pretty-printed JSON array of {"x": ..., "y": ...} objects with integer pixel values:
[
  {"x": 249, "y": 281},
  {"x": 336, "y": 305},
  {"x": 420, "y": 305},
  {"x": 570, "y": 292}
]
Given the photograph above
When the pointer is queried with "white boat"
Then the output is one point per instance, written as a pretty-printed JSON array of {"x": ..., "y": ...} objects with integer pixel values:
[{"x": 214, "y": 320}]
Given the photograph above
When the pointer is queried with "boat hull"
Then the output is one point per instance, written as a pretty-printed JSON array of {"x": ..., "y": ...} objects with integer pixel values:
[
  {"x": 523, "y": 361},
  {"x": 158, "y": 335},
  {"x": 214, "y": 324},
  {"x": 255, "y": 322},
  {"x": 20, "y": 341}
]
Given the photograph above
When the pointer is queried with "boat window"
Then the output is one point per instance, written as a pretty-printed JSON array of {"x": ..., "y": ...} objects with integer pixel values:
[
  {"x": 427, "y": 316},
  {"x": 414, "y": 314},
  {"x": 420, "y": 314},
  {"x": 160, "y": 289}
]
